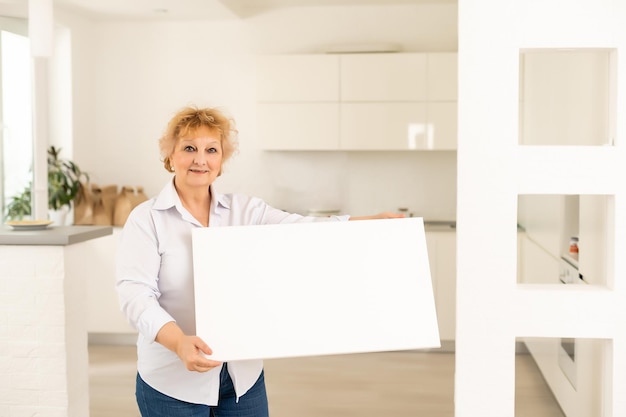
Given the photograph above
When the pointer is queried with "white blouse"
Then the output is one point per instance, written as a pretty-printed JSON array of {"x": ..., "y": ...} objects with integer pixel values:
[{"x": 154, "y": 272}]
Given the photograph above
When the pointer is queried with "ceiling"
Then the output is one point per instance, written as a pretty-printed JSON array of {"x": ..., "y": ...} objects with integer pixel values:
[{"x": 192, "y": 9}]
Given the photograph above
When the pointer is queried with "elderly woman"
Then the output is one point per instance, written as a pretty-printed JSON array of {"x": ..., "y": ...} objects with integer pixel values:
[{"x": 155, "y": 275}]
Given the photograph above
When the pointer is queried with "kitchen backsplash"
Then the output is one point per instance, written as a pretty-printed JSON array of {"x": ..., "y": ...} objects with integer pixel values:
[{"x": 356, "y": 183}]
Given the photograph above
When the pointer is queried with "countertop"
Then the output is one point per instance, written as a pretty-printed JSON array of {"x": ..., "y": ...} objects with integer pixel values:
[
  {"x": 449, "y": 226},
  {"x": 68, "y": 235},
  {"x": 53, "y": 235},
  {"x": 439, "y": 226}
]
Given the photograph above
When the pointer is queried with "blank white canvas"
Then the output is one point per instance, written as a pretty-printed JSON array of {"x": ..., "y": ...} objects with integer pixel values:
[{"x": 310, "y": 289}]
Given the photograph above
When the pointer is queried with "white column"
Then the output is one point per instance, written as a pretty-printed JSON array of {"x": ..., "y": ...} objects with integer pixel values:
[
  {"x": 492, "y": 309},
  {"x": 40, "y": 138},
  {"x": 41, "y": 34}
]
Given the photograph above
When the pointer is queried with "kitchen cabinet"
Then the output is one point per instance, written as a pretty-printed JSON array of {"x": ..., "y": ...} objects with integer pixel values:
[
  {"x": 442, "y": 77},
  {"x": 398, "y": 126},
  {"x": 442, "y": 258},
  {"x": 383, "y": 126},
  {"x": 299, "y": 126},
  {"x": 442, "y": 95},
  {"x": 298, "y": 78},
  {"x": 298, "y": 102},
  {"x": 384, "y": 77},
  {"x": 442, "y": 126},
  {"x": 391, "y": 101},
  {"x": 446, "y": 285},
  {"x": 103, "y": 310}
]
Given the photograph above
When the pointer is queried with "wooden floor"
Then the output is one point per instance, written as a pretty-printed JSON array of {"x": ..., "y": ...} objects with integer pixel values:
[{"x": 398, "y": 384}]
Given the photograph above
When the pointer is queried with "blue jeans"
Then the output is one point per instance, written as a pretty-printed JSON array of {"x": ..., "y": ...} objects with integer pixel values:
[{"x": 252, "y": 404}]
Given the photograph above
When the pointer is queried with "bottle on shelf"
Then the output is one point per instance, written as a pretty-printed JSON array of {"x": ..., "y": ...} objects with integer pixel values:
[{"x": 573, "y": 247}]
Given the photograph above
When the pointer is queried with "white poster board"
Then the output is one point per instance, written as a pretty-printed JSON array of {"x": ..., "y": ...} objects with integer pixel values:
[{"x": 310, "y": 289}]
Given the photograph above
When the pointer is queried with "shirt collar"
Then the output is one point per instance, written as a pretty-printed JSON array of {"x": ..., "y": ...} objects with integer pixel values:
[{"x": 168, "y": 197}]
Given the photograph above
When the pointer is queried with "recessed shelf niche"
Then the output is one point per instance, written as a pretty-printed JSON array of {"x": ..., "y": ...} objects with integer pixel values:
[
  {"x": 567, "y": 96},
  {"x": 573, "y": 369},
  {"x": 549, "y": 221}
]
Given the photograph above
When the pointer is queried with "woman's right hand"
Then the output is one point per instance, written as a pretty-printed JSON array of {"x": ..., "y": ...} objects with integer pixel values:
[{"x": 190, "y": 349}]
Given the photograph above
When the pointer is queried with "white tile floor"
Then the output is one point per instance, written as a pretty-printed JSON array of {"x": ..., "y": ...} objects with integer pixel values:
[{"x": 394, "y": 384}]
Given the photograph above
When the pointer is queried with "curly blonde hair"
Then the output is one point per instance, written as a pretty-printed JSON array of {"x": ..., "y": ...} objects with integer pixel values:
[{"x": 190, "y": 119}]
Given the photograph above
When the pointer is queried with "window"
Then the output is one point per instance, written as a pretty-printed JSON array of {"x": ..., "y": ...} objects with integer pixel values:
[{"x": 16, "y": 144}]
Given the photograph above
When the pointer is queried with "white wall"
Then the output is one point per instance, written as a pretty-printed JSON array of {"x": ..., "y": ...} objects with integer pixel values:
[{"x": 131, "y": 76}]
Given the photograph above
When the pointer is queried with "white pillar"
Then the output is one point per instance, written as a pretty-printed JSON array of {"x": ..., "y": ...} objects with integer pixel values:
[
  {"x": 492, "y": 309},
  {"x": 41, "y": 34}
]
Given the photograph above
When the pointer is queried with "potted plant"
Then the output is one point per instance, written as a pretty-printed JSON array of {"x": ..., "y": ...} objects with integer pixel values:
[
  {"x": 65, "y": 180},
  {"x": 19, "y": 207}
]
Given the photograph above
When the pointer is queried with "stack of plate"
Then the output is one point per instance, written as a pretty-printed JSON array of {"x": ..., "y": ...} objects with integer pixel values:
[{"x": 29, "y": 224}]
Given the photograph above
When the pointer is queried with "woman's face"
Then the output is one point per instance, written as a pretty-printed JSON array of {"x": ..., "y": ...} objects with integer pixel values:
[{"x": 197, "y": 158}]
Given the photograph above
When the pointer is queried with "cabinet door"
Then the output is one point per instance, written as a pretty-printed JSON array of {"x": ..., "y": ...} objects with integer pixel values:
[
  {"x": 298, "y": 126},
  {"x": 297, "y": 78},
  {"x": 431, "y": 246},
  {"x": 446, "y": 285},
  {"x": 383, "y": 77},
  {"x": 103, "y": 313},
  {"x": 383, "y": 126},
  {"x": 442, "y": 125},
  {"x": 442, "y": 76}
]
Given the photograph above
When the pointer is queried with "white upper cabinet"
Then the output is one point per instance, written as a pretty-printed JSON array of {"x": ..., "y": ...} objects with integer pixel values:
[
  {"x": 299, "y": 126},
  {"x": 442, "y": 126},
  {"x": 442, "y": 100},
  {"x": 383, "y": 77},
  {"x": 383, "y": 126},
  {"x": 298, "y": 78},
  {"x": 442, "y": 76},
  {"x": 381, "y": 101}
]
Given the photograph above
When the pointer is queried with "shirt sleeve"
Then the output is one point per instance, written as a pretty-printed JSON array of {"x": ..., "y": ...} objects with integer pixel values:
[{"x": 137, "y": 270}]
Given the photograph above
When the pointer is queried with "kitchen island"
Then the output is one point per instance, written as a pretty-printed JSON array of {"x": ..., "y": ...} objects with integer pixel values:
[
  {"x": 54, "y": 236},
  {"x": 44, "y": 359}
]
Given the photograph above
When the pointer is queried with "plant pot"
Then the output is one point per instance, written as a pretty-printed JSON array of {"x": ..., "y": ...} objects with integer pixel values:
[{"x": 59, "y": 217}]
